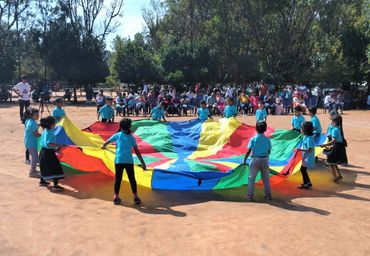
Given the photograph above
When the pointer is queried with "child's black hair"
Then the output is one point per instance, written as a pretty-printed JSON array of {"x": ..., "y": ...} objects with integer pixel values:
[
  {"x": 338, "y": 120},
  {"x": 30, "y": 111},
  {"x": 312, "y": 110},
  {"x": 47, "y": 122},
  {"x": 231, "y": 100},
  {"x": 109, "y": 99},
  {"x": 58, "y": 100},
  {"x": 203, "y": 102},
  {"x": 261, "y": 102},
  {"x": 125, "y": 125},
  {"x": 298, "y": 108},
  {"x": 307, "y": 128},
  {"x": 261, "y": 127}
]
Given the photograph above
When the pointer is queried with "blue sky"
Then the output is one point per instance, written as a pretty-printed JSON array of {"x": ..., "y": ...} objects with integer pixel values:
[{"x": 132, "y": 20}]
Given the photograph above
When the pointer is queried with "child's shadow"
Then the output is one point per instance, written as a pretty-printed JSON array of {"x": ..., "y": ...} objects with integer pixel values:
[{"x": 100, "y": 186}]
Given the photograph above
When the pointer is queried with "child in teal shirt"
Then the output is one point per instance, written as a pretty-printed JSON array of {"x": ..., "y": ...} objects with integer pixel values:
[
  {"x": 297, "y": 119},
  {"x": 230, "y": 109},
  {"x": 107, "y": 112},
  {"x": 203, "y": 112},
  {"x": 308, "y": 153},
  {"x": 58, "y": 111},
  {"x": 315, "y": 121},
  {"x": 50, "y": 166},
  {"x": 123, "y": 160},
  {"x": 158, "y": 113},
  {"x": 261, "y": 113},
  {"x": 30, "y": 138},
  {"x": 260, "y": 146}
]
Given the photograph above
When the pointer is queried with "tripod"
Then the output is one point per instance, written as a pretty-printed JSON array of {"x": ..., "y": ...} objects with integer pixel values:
[{"x": 43, "y": 104}]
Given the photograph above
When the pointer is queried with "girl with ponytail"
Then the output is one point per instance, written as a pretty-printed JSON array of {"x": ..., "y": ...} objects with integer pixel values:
[{"x": 337, "y": 154}]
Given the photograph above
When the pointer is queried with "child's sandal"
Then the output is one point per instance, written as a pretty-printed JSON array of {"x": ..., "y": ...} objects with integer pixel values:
[
  {"x": 117, "y": 201},
  {"x": 305, "y": 186},
  {"x": 137, "y": 200}
]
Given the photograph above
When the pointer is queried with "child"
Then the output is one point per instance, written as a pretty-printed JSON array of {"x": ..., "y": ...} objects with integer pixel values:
[
  {"x": 297, "y": 119},
  {"x": 260, "y": 146},
  {"x": 58, "y": 111},
  {"x": 315, "y": 122},
  {"x": 332, "y": 114},
  {"x": 230, "y": 110},
  {"x": 49, "y": 164},
  {"x": 261, "y": 113},
  {"x": 308, "y": 155},
  {"x": 30, "y": 138},
  {"x": 123, "y": 160},
  {"x": 203, "y": 112},
  {"x": 158, "y": 113},
  {"x": 337, "y": 154},
  {"x": 107, "y": 112}
]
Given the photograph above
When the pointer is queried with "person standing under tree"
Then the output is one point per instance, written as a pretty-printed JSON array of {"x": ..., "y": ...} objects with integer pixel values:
[{"x": 23, "y": 90}]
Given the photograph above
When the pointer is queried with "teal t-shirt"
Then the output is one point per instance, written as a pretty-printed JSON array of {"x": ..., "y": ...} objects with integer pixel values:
[
  {"x": 316, "y": 125},
  {"x": 297, "y": 122},
  {"x": 261, "y": 114},
  {"x": 336, "y": 133},
  {"x": 30, "y": 140},
  {"x": 106, "y": 112},
  {"x": 330, "y": 128},
  {"x": 308, "y": 158},
  {"x": 47, "y": 137},
  {"x": 260, "y": 145},
  {"x": 230, "y": 111},
  {"x": 157, "y": 113},
  {"x": 203, "y": 114},
  {"x": 124, "y": 143},
  {"x": 58, "y": 112}
]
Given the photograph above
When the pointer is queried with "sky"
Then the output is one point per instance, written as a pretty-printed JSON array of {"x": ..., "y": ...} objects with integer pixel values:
[{"x": 132, "y": 21}]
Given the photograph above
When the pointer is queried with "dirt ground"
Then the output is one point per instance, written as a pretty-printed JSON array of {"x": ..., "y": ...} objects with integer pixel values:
[{"x": 330, "y": 219}]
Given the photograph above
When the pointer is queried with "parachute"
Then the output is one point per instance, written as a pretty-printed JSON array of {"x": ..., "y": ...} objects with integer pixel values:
[{"x": 188, "y": 155}]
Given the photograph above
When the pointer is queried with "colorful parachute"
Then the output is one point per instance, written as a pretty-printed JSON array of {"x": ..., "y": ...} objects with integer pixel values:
[{"x": 188, "y": 155}]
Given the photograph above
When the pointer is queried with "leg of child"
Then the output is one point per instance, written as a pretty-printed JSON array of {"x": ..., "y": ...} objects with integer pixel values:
[
  {"x": 332, "y": 171},
  {"x": 34, "y": 161},
  {"x": 117, "y": 183},
  {"x": 337, "y": 171},
  {"x": 253, "y": 169},
  {"x": 265, "y": 173},
  {"x": 27, "y": 155},
  {"x": 131, "y": 177},
  {"x": 305, "y": 177}
]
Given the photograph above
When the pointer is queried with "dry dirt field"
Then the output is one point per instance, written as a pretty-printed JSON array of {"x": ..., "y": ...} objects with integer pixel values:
[{"x": 330, "y": 219}]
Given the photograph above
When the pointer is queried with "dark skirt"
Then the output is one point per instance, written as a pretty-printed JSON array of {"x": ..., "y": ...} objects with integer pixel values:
[
  {"x": 337, "y": 154},
  {"x": 50, "y": 166}
]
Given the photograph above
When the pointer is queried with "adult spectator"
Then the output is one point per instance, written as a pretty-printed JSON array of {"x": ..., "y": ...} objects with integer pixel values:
[{"x": 23, "y": 90}]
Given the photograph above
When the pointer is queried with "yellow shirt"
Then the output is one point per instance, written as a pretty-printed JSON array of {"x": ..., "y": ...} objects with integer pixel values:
[{"x": 244, "y": 99}]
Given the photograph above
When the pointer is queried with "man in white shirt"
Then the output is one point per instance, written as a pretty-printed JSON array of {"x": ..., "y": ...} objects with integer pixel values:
[
  {"x": 23, "y": 90},
  {"x": 229, "y": 92}
]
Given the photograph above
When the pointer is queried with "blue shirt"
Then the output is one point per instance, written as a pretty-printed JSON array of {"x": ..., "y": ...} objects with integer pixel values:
[
  {"x": 58, "y": 112},
  {"x": 157, "y": 113},
  {"x": 30, "y": 140},
  {"x": 124, "y": 143},
  {"x": 316, "y": 125},
  {"x": 261, "y": 115},
  {"x": 297, "y": 122},
  {"x": 106, "y": 112},
  {"x": 308, "y": 158},
  {"x": 336, "y": 133},
  {"x": 203, "y": 114},
  {"x": 260, "y": 145},
  {"x": 47, "y": 137},
  {"x": 230, "y": 111}
]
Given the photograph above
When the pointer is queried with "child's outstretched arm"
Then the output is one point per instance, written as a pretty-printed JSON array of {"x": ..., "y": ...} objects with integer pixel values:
[
  {"x": 138, "y": 154},
  {"x": 104, "y": 146},
  {"x": 164, "y": 119},
  {"x": 247, "y": 155}
]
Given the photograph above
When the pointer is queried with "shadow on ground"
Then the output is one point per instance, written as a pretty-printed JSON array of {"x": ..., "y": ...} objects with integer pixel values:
[{"x": 100, "y": 186}]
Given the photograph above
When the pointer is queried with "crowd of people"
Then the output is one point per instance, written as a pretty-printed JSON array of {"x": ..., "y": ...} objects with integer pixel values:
[
  {"x": 276, "y": 100},
  {"x": 259, "y": 102}
]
